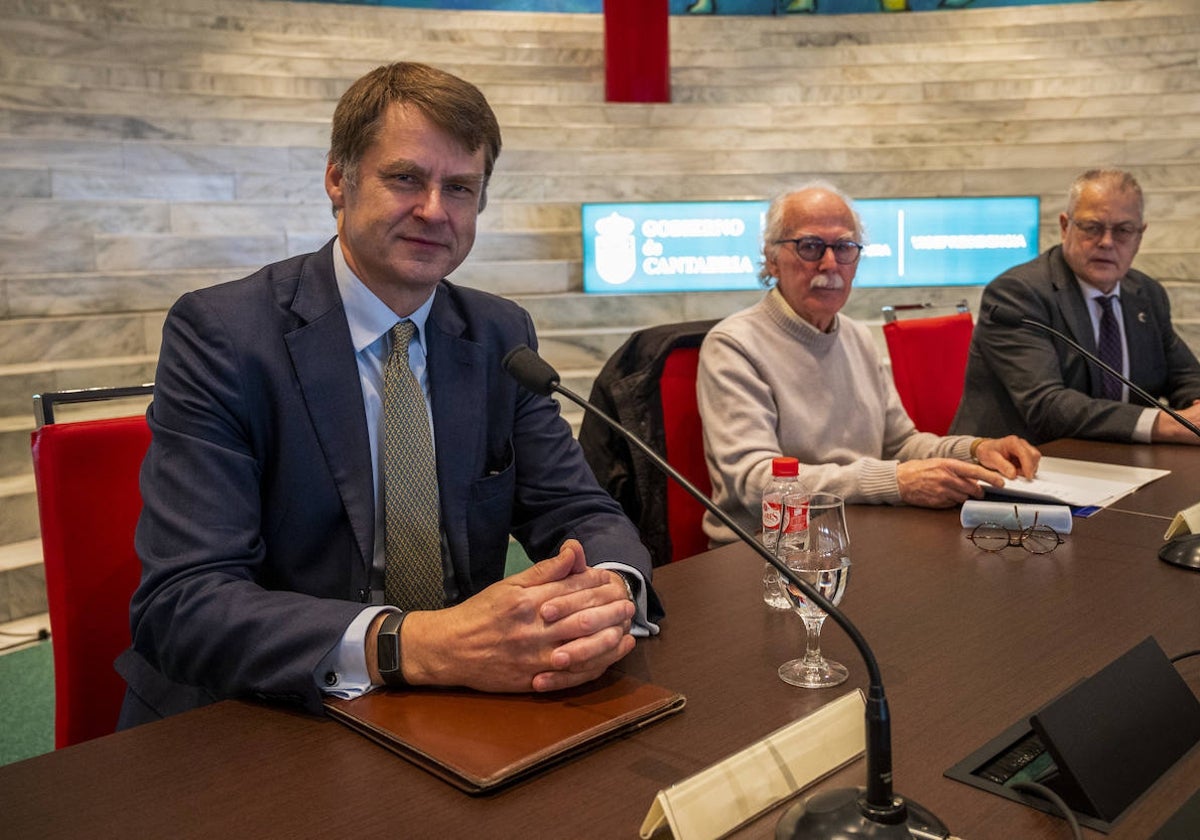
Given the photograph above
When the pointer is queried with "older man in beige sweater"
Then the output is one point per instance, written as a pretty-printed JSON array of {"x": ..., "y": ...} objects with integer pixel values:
[{"x": 791, "y": 376}]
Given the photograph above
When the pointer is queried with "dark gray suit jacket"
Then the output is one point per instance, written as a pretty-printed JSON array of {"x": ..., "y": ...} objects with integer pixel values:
[
  {"x": 1022, "y": 381},
  {"x": 257, "y": 534}
]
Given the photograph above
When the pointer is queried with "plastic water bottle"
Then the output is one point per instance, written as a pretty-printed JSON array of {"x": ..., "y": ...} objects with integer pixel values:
[{"x": 785, "y": 479}]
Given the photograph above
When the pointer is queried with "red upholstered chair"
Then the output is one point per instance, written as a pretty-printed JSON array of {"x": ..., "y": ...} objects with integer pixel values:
[
  {"x": 685, "y": 451},
  {"x": 88, "y": 504},
  {"x": 929, "y": 360}
]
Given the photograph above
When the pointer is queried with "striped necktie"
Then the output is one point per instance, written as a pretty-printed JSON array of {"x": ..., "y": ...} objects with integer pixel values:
[
  {"x": 1111, "y": 388},
  {"x": 413, "y": 572}
]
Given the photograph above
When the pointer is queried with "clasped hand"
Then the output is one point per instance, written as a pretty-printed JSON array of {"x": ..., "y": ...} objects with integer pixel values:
[
  {"x": 945, "y": 482},
  {"x": 555, "y": 625}
]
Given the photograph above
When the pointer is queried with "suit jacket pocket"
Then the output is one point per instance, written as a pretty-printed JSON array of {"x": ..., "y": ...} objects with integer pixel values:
[{"x": 489, "y": 518}]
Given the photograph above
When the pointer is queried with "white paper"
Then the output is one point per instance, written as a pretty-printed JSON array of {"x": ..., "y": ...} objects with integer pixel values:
[{"x": 1077, "y": 483}]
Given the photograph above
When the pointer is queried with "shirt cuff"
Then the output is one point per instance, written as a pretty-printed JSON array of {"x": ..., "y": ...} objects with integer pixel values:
[
  {"x": 343, "y": 671},
  {"x": 642, "y": 627},
  {"x": 1145, "y": 426}
]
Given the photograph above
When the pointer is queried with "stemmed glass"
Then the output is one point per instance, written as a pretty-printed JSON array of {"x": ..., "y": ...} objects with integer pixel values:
[{"x": 820, "y": 557}]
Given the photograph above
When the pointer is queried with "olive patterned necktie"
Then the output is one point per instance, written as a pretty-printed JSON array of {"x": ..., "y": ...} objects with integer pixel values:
[{"x": 413, "y": 571}]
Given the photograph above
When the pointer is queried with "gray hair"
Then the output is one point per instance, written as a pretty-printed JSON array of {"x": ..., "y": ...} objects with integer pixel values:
[
  {"x": 773, "y": 227},
  {"x": 1118, "y": 178}
]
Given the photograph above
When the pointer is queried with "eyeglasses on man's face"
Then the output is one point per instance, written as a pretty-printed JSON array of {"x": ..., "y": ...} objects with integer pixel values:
[
  {"x": 1036, "y": 539},
  {"x": 813, "y": 248},
  {"x": 1122, "y": 234}
]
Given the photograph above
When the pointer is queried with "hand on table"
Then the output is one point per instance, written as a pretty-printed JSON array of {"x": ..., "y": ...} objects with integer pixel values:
[{"x": 554, "y": 625}]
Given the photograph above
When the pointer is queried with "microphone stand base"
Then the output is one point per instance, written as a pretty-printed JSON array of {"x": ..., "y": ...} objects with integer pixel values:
[
  {"x": 1183, "y": 551},
  {"x": 836, "y": 814}
]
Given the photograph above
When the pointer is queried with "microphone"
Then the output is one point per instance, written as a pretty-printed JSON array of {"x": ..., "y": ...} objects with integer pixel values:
[
  {"x": 1182, "y": 551},
  {"x": 844, "y": 812}
]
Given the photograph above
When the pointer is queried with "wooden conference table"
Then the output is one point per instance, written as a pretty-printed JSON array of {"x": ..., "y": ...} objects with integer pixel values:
[{"x": 968, "y": 643}]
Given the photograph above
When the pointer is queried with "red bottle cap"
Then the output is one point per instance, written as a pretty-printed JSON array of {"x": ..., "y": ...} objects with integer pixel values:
[{"x": 785, "y": 466}]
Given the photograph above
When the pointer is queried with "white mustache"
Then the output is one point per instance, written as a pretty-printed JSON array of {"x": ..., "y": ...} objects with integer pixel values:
[{"x": 829, "y": 280}]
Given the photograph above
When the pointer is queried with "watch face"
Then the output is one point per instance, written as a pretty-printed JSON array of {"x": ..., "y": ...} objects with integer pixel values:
[
  {"x": 387, "y": 648},
  {"x": 389, "y": 653}
]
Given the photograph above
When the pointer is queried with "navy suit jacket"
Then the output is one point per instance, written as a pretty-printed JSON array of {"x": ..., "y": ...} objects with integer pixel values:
[
  {"x": 1020, "y": 380},
  {"x": 257, "y": 532}
]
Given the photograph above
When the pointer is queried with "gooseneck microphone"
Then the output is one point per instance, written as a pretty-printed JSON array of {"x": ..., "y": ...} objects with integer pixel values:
[
  {"x": 1182, "y": 551},
  {"x": 846, "y": 812}
]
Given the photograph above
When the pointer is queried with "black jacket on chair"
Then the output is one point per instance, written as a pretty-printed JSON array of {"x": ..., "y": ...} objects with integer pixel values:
[{"x": 627, "y": 389}]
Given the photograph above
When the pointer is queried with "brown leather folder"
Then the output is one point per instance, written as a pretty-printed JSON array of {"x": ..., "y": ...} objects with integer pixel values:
[{"x": 479, "y": 742}]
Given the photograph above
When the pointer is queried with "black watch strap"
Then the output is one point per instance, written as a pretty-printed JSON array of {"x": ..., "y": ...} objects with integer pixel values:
[{"x": 387, "y": 649}]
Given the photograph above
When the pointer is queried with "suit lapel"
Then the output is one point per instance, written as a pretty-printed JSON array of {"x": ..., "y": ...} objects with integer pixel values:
[
  {"x": 457, "y": 385},
  {"x": 1074, "y": 310},
  {"x": 1073, "y": 307},
  {"x": 1141, "y": 333},
  {"x": 323, "y": 359}
]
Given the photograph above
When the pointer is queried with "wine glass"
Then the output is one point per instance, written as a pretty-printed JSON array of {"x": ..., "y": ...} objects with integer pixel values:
[{"x": 820, "y": 557}]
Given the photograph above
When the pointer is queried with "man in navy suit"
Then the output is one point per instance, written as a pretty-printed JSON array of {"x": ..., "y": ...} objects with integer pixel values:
[
  {"x": 1022, "y": 381},
  {"x": 262, "y": 539}
]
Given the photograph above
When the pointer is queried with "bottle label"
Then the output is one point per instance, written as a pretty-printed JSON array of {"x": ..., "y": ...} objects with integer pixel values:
[
  {"x": 795, "y": 522},
  {"x": 796, "y": 519}
]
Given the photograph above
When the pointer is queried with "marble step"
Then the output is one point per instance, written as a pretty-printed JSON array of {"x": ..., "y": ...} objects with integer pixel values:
[
  {"x": 295, "y": 29},
  {"x": 936, "y": 180},
  {"x": 22, "y": 580},
  {"x": 109, "y": 63},
  {"x": 93, "y": 292},
  {"x": 729, "y": 54},
  {"x": 87, "y": 336},
  {"x": 122, "y": 169},
  {"x": 14, "y": 446},
  {"x": 242, "y": 254},
  {"x": 38, "y": 217},
  {"x": 19, "y": 382},
  {"x": 550, "y": 123},
  {"x": 533, "y": 174},
  {"x": 587, "y": 138},
  {"x": 84, "y": 292},
  {"x": 158, "y": 97},
  {"x": 780, "y": 116},
  {"x": 953, "y": 67},
  {"x": 336, "y": 53},
  {"x": 831, "y": 158},
  {"x": 18, "y": 508},
  {"x": 102, "y": 69}
]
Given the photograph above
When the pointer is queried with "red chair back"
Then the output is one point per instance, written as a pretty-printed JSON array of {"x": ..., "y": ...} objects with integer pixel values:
[
  {"x": 88, "y": 504},
  {"x": 929, "y": 360},
  {"x": 685, "y": 451}
]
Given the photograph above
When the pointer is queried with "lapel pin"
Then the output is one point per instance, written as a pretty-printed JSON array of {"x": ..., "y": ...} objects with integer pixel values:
[{"x": 1141, "y": 317}]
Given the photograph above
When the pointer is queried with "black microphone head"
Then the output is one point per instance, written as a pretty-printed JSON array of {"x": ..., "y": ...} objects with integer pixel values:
[
  {"x": 530, "y": 370},
  {"x": 1006, "y": 316}
]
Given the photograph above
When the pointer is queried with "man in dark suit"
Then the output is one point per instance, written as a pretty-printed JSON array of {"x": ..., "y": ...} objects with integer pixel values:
[
  {"x": 265, "y": 537},
  {"x": 1020, "y": 380}
]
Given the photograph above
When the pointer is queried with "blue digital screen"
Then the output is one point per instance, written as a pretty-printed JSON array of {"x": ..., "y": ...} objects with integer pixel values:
[{"x": 716, "y": 245}]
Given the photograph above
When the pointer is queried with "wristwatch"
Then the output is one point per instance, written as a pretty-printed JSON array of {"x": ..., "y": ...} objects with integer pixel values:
[
  {"x": 387, "y": 649},
  {"x": 628, "y": 587}
]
